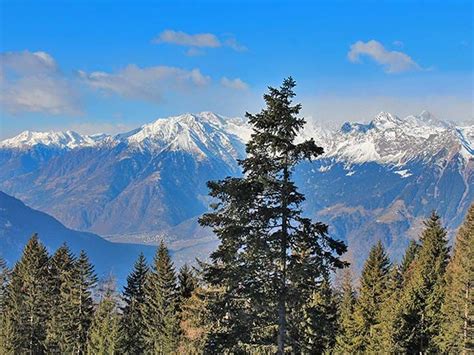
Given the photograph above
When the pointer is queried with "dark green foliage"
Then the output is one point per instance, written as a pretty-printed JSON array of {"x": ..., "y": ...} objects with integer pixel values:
[
  {"x": 160, "y": 308},
  {"x": 321, "y": 317},
  {"x": 346, "y": 332},
  {"x": 4, "y": 279},
  {"x": 27, "y": 301},
  {"x": 61, "y": 263},
  {"x": 373, "y": 285},
  {"x": 457, "y": 312},
  {"x": 104, "y": 333},
  {"x": 133, "y": 324},
  {"x": 271, "y": 260},
  {"x": 410, "y": 255},
  {"x": 77, "y": 307},
  {"x": 187, "y": 283},
  {"x": 423, "y": 292}
]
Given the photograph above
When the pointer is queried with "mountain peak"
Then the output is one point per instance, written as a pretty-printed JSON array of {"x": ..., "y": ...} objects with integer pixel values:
[
  {"x": 61, "y": 140},
  {"x": 386, "y": 120}
]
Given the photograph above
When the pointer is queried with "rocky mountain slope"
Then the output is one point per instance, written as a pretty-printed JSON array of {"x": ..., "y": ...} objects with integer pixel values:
[{"x": 376, "y": 180}]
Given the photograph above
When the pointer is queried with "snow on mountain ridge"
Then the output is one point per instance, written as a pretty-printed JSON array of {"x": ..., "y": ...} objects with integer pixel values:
[
  {"x": 386, "y": 139},
  {"x": 59, "y": 140}
]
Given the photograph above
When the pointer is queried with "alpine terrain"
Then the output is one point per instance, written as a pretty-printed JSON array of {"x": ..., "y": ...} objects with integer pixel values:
[{"x": 376, "y": 180}]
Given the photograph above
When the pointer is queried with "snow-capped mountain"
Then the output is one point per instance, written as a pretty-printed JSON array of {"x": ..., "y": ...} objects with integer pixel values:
[
  {"x": 57, "y": 140},
  {"x": 375, "y": 180}
]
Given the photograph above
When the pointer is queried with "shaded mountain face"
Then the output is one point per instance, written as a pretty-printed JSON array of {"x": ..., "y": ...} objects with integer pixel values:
[
  {"x": 18, "y": 223},
  {"x": 376, "y": 180}
]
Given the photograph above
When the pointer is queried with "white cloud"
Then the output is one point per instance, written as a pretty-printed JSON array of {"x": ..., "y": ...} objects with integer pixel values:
[
  {"x": 236, "y": 83},
  {"x": 32, "y": 82},
  {"x": 184, "y": 39},
  {"x": 199, "y": 40},
  {"x": 149, "y": 83},
  {"x": 392, "y": 61},
  {"x": 236, "y": 46}
]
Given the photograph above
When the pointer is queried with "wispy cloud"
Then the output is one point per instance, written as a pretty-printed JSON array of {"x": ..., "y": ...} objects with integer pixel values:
[
  {"x": 184, "y": 39},
  {"x": 236, "y": 84},
  {"x": 392, "y": 61},
  {"x": 148, "y": 84},
  {"x": 32, "y": 82},
  {"x": 198, "y": 40}
]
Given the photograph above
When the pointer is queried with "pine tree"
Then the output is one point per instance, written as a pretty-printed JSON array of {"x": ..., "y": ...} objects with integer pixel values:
[
  {"x": 410, "y": 255},
  {"x": 373, "y": 285},
  {"x": 4, "y": 279},
  {"x": 195, "y": 322},
  {"x": 104, "y": 333},
  {"x": 160, "y": 308},
  {"x": 4, "y": 324},
  {"x": 187, "y": 283},
  {"x": 27, "y": 300},
  {"x": 385, "y": 332},
  {"x": 76, "y": 305},
  {"x": 61, "y": 263},
  {"x": 346, "y": 326},
  {"x": 133, "y": 324},
  {"x": 321, "y": 317},
  {"x": 457, "y": 312},
  {"x": 270, "y": 260},
  {"x": 423, "y": 293}
]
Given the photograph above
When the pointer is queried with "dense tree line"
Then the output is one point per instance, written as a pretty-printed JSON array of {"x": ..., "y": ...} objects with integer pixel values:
[
  {"x": 276, "y": 283},
  {"x": 54, "y": 304}
]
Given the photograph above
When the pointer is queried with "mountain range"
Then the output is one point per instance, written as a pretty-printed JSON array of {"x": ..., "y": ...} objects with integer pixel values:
[{"x": 376, "y": 180}]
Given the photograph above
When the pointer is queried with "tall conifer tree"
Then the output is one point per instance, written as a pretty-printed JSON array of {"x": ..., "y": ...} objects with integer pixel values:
[
  {"x": 132, "y": 323},
  {"x": 321, "y": 318},
  {"x": 77, "y": 306},
  {"x": 61, "y": 263},
  {"x": 4, "y": 323},
  {"x": 345, "y": 336},
  {"x": 186, "y": 283},
  {"x": 408, "y": 258},
  {"x": 27, "y": 300},
  {"x": 270, "y": 260},
  {"x": 456, "y": 333},
  {"x": 373, "y": 284},
  {"x": 104, "y": 336},
  {"x": 423, "y": 292},
  {"x": 160, "y": 309}
]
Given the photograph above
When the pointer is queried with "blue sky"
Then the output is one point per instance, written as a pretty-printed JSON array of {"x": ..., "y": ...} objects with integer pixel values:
[{"x": 110, "y": 66}]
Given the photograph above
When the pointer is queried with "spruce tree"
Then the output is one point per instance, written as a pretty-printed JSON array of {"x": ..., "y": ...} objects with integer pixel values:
[
  {"x": 195, "y": 322},
  {"x": 346, "y": 333},
  {"x": 271, "y": 259},
  {"x": 104, "y": 333},
  {"x": 456, "y": 333},
  {"x": 61, "y": 263},
  {"x": 160, "y": 308},
  {"x": 385, "y": 332},
  {"x": 321, "y": 318},
  {"x": 27, "y": 301},
  {"x": 373, "y": 284},
  {"x": 4, "y": 280},
  {"x": 77, "y": 306},
  {"x": 408, "y": 258},
  {"x": 132, "y": 323},
  {"x": 186, "y": 283},
  {"x": 423, "y": 292}
]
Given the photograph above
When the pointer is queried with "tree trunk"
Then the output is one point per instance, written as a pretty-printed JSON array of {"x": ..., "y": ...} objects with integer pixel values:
[{"x": 284, "y": 246}]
